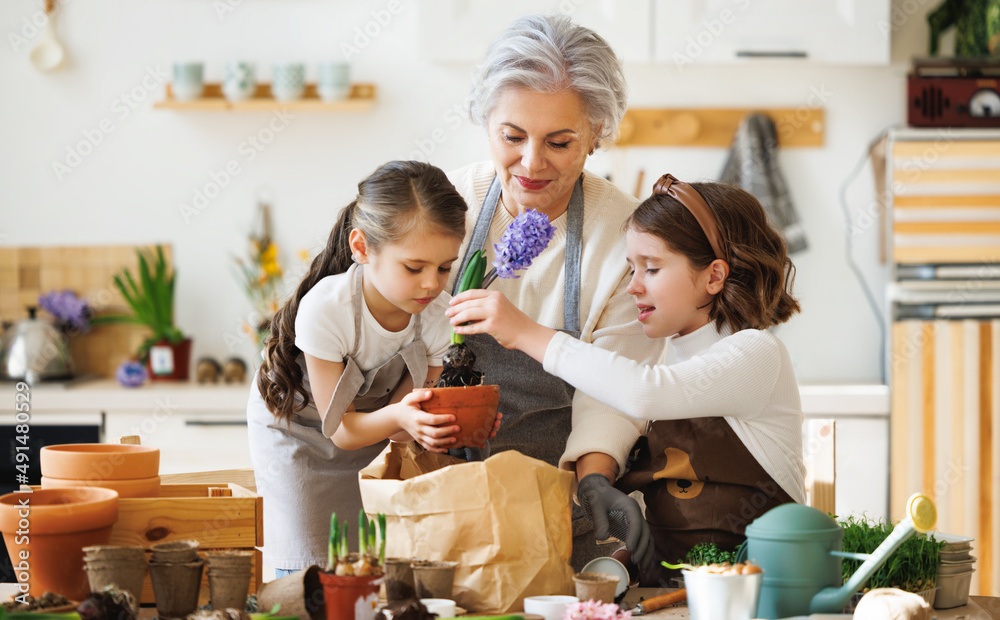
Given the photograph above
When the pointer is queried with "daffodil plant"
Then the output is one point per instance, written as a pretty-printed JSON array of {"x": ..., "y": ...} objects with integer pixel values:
[{"x": 369, "y": 559}]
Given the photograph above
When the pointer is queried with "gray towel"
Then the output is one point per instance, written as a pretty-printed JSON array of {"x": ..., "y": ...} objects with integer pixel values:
[{"x": 753, "y": 165}]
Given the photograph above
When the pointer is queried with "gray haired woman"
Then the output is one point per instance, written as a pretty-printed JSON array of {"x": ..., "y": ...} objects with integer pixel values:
[{"x": 549, "y": 93}]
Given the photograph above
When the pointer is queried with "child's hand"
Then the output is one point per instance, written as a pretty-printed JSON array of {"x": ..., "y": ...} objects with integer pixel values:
[
  {"x": 496, "y": 426},
  {"x": 433, "y": 432},
  {"x": 490, "y": 312}
]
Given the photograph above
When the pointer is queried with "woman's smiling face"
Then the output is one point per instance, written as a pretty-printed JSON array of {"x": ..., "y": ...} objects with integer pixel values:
[{"x": 539, "y": 143}]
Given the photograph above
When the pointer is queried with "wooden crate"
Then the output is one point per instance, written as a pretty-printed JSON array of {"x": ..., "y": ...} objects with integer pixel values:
[{"x": 218, "y": 516}]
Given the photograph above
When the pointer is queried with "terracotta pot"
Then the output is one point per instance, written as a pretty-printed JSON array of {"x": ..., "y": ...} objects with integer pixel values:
[
  {"x": 60, "y": 523},
  {"x": 139, "y": 487},
  {"x": 598, "y": 587},
  {"x": 434, "y": 579},
  {"x": 350, "y": 598},
  {"x": 474, "y": 408},
  {"x": 169, "y": 360},
  {"x": 175, "y": 552},
  {"x": 99, "y": 461},
  {"x": 176, "y": 587},
  {"x": 299, "y": 594}
]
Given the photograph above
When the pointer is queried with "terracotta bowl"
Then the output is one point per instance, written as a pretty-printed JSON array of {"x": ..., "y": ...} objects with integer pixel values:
[
  {"x": 61, "y": 523},
  {"x": 474, "y": 408},
  {"x": 137, "y": 487},
  {"x": 99, "y": 461}
]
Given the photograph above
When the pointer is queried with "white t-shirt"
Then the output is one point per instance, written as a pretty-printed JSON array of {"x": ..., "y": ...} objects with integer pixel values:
[{"x": 324, "y": 326}]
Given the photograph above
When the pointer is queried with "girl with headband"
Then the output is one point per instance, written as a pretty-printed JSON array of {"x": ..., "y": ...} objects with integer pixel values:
[{"x": 723, "y": 424}]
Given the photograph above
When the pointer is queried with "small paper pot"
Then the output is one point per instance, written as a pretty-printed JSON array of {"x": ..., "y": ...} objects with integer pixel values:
[
  {"x": 110, "y": 553},
  {"x": 229, "y": 559},
  {"x": 125, "y": 574},
  {"x": 434, "y": 579},
  {"x": 953, "y": 590},
  {"x": 399, "y": 585},
  {"x": 176, "y": 552},
  {"x": 598, "y": 587},
  {"x": 711, "y": 597},
  {"x": 176, "y": 587},
  {"x": 228, "y": 588},
  {"x": 299, "y": 594},
  {"x": 350, "y": 598}
]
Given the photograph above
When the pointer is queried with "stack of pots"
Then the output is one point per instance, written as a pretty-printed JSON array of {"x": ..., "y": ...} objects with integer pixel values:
[
  {"x": 175, "y": 570},
  {"x": 122, "y": 568},
  {"x": 132, "y": 471},
  {"x": 955, "y": 571},
  {"x": 229, "y": 578}
]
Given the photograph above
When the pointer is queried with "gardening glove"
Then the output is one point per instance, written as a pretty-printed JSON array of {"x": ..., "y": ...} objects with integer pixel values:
[
  {"x": 615, "y": 514},
  {"x": 471, "y": 454}
]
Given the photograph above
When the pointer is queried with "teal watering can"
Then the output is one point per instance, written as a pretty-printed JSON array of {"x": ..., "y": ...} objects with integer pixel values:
[{"x": 799, "y": 549}]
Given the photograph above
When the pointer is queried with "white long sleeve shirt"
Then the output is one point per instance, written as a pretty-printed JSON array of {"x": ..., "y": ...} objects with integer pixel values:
[{"x": 746, "y": 378}]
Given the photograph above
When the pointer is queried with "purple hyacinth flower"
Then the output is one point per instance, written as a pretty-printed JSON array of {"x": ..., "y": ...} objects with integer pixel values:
[
  {"x": 524, "y": 239},
  {"x": 70, "y": 311},
  {"x": 131, "y": 374}
]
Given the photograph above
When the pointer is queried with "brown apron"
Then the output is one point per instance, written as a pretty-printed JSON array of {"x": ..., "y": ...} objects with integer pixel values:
[{"x": 700, "y": 484}]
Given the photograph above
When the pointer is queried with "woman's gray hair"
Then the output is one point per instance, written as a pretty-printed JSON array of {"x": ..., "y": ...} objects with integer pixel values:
[{"x": 550, "y": 54}]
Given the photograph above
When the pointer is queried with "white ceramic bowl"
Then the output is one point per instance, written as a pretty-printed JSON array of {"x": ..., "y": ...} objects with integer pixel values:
[
  {"x": 444, "y": 608},
  {"x": 549, "y": 607}
]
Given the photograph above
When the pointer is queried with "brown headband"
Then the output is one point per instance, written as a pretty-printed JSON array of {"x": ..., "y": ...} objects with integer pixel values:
[{"x": 693, "y": 202}]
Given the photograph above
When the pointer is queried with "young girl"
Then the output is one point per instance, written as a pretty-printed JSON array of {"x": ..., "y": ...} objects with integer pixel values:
[
  {"x": 724, "y": 444},
  {"x": 345, "y": 352}
]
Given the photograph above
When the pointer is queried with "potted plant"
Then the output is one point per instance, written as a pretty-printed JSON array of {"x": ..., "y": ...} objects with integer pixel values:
[
  {"x": 913, "y": 567},
  {"x": 351, "y": 581},
  {"x": 167, "y": 352},
  {"x": 460, "y": 390}
]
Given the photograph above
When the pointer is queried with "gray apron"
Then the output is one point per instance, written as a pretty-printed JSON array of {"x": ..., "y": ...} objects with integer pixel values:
[
  {"x": 302, "y": 476},
  {"x": 537, "y": 407}
]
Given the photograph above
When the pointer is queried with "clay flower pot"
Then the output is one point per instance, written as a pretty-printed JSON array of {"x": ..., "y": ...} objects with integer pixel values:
[
  {"x": 99, "y": 461},
  {"x": 56, "y": 525},
  {"x": 138, "y": 487},
  {"x": 434, "y": 579},
  {"x": 350, "y": 598},
  {"x": 175, "y": 552},
  {"x": 121, "y": 567},
  {"x": 474, "y": 408},
  {"x": 300, "y": 594}
]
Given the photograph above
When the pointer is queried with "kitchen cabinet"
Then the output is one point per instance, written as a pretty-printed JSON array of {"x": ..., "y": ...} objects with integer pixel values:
[
  {"x": 460, "y": 31},
  {"x": 842, "y": 32}
]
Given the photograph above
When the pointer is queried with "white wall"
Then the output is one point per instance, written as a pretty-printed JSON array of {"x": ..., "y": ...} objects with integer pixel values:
[{"x": 127, "y": 191}]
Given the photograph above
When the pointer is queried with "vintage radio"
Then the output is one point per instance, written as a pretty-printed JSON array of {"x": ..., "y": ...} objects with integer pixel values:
[{"x": 954, "y": 92}]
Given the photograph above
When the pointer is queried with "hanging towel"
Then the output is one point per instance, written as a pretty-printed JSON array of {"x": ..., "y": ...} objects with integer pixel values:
[{"x": 753, "y": 165}]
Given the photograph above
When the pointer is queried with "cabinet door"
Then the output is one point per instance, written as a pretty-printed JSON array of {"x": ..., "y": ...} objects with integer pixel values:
[
  {"x": 461, "y": 30},
  {"x": 850, "y": 32}
]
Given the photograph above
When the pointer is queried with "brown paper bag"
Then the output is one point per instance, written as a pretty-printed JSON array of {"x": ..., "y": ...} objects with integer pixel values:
[{"x": 506, "y": 521}]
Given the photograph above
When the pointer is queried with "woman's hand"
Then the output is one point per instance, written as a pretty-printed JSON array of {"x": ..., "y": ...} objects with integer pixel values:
[
  {"x": 490, "y": 312},
  {"x": 433, "y": 432}
]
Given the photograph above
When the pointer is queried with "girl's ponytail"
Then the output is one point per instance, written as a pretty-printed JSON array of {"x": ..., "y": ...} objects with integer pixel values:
[{"x": 280, "y": 377}]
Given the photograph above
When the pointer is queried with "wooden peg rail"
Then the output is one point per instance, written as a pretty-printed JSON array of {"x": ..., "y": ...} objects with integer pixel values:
[{"x": 802, "y": 126}]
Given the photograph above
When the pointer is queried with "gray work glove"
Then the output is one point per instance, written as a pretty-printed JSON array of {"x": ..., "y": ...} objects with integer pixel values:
[{"x": 615, "y": 514}]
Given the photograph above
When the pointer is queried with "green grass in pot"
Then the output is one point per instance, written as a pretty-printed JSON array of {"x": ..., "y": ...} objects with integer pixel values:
[
  {"x": 913, "y": 567},
  {"x": 151, "y": 298}
]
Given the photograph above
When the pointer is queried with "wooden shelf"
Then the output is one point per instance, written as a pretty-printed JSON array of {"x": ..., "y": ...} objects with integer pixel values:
[
  {"x": 362, "y": 98},
  {"x": 715, "y": 127}
]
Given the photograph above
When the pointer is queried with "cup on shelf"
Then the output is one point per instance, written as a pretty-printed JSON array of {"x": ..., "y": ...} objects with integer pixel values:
[
  {"x": 334, "y": 82},
  {"x": 238, "y": 82},
  {"x": 288, "y": 81},
  {"x": 188, "y": 82}
]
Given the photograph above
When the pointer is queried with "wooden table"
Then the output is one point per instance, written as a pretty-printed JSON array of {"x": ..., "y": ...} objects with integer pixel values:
[{"x": 979, "y": 608}]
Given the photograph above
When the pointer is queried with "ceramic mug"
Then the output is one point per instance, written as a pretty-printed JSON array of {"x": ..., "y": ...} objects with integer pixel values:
[
  {"x": 238, "y": 82},
  {"x": 288, "y": 81},
  {"x": 189, "y": 80},
  {"x": 334, "y": 82}
]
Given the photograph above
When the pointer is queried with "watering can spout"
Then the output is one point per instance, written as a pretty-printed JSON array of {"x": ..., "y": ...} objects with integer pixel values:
[{"x": 921, "y": 517}]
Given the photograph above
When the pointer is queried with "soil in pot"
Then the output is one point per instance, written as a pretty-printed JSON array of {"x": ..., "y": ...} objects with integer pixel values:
[
  {"x": 434, "y": 579},
  {"x": 350, "y": 597},
  {"x": 474, "y": 408},
  {"x": 61, "y": 523},
  {"x": 399, "y": 584}
]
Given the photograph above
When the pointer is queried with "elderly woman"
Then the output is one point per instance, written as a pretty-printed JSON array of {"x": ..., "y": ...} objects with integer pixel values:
[{"x": 548, "y": 94}]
